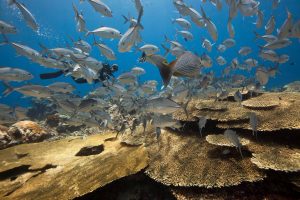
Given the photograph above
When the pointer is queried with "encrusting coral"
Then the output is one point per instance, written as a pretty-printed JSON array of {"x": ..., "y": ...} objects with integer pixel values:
[
  {"x": 221, "y": 140},
  {"x": 181, "y": 160},
  {"x": 27, "y": 131}
]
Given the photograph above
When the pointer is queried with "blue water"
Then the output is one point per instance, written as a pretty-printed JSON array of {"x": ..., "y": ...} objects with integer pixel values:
[{"x": 56, "y": 20}]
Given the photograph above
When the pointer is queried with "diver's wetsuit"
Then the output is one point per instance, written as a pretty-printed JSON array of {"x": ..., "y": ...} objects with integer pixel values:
[{"x": 105, "y": 73}]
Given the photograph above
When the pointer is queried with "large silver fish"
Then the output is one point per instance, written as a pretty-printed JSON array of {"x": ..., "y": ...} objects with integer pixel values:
[
  {"x": 6, "y": 28},
  {"x": 161, "y": 106},
  {"x": 131, "y": 36},
  {"x": 101, "y": 7},
  {"x": 80, "y": 22},
  {"x": 27, "y": 15},
  {"x": 14, "y": 74}
]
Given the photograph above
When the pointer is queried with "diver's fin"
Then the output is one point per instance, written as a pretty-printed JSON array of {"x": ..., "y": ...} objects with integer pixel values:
[{"x": 51, "y": 75}]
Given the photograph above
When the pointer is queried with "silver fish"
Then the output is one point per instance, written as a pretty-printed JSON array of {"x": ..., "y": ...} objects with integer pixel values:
[
  {"x": 164, "y": 121},
  {"x": 269, "y": 55},
  {"x": 27, "y": 15},
  {"x": 14, "y": 74},
  {"x": 278, "y": 44},
  {"x": 37, "y": 91},
  {"x": 267, "y": 38},
  {"x": 6, "y": 28},
  {"x": 161, "y": 106},
  {"x": 186, "y": 35},
  {"x": 106, "y": 32},
  {"x": 207, "y": 44},
  {"x": 221, "y": 60},
  {"x": 149, "y": 49},
  {"x": 262, "y": 76},
  {"x": 26, "y": 51},
  {"x": 61, "y": 87},
  {"x": 183, "y": 23},
  {"x": 229, "y": 43},
  {"x": 233, "y": 138},
  {"x": 210, "y": 26},
  {"x": 79, "y": 20},
  {"x": 106, "y": 51},
  {"x": 138, "y": 71},
  {"x": 260, "y": 19},
  {"x": 253, "y": 122},
  {"x": 244, "y": 51},
  {"x": 230, "y": 29},
  {"x": 127, "y": 78},
  {"x": 101, "y": 7},
  {"x": 201, "y": 124},
  {"x": 132, "y": 36},
  {"x": 270, "y": 25},
  {"x": 286, "y": 27},
  {"x": 238, "y": 97},
  {"x": 87, "y": 105}
]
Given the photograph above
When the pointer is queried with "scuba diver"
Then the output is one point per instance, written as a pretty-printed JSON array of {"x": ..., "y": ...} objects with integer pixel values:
[{"x": 105, "y": 73}]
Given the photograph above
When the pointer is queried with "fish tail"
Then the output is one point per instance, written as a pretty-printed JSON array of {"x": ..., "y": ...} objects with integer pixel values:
[
  {"x": 95, "y": 42},
  {"x": 203, "y": 13},
  {"x": 185, "y": 107},
  {"x": 141, "y": 12},
  {"x": 88, "y": 33},
  {"x": 257, "y": 36},
  {"x": 44, "y": 48},
  {"x": 9, "y": 89},
  {"x": 240, "y": 150},
  {"x": 125, "y": 19},
  {"x": 11, "y": 2},
  {"x": 165, "y": 73},
  {"x": 5, "y": 40},
  {"x": 260, "y": 48},
  {"x": 166, "y": 38},
  {"x": 166, "y": 49},
  {"x": 201, "y": 132}
]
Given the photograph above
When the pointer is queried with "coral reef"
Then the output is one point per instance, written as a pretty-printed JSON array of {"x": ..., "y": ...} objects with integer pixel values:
[
  {"x": 181, "y": 160},
  {"x": 28, "y": 131},
  {"x": 227, "y": 114},
  {"x": 34, "y": 171},
  {"x": 281, "y": 159},
  {"x": 4, "y": 137}
]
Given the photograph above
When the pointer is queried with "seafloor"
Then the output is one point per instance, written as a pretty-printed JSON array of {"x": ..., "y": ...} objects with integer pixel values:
[{"x": 51, "y": 162}]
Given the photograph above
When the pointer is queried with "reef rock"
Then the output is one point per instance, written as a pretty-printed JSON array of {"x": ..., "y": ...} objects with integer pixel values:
[
  {"x": 186, "y": 160},
  {"x": 28, "y": 131},
  {"x": 67, "y": 168},
  {"x": 4, "y": 137}
]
